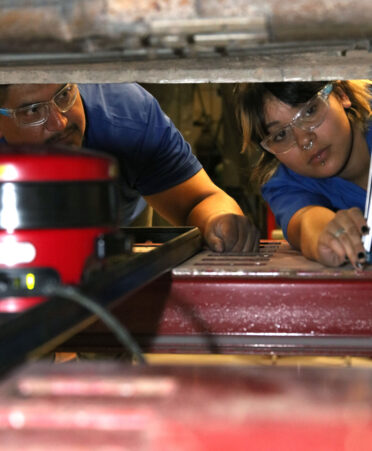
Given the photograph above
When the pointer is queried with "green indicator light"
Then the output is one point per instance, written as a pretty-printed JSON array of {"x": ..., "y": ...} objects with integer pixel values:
[{"x": 30, "y": 281}]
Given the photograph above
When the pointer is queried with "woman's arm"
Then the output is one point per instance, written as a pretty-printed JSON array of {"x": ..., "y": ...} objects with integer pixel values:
[{"x": 328, "y": 237}]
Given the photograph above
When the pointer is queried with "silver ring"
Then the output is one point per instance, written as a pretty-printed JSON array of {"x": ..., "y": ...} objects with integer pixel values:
[
  {"x": 339, "y": 232},
  {"x": 309, "y": 146}
]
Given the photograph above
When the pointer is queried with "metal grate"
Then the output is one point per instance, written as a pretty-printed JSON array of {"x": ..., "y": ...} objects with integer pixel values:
[
  {"x": 253, "y": 259},
  {"x": 274, "y": 259}
]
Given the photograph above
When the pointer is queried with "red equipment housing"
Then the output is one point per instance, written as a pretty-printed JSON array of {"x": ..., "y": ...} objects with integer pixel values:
[{"x": 54, "y": 204}]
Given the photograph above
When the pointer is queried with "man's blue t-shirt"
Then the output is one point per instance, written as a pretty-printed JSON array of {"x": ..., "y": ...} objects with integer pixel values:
[
  {"x": 127, "y": 122},
  {"x": 287, "y": 192}
]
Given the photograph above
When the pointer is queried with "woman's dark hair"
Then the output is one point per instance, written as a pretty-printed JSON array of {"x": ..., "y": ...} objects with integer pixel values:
[{"x": 251, "y": 98}]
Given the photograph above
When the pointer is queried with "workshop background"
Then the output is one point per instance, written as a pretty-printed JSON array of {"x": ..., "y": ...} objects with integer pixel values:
[
  {"x": 205, "y": 115},
  {"x": 268, "y": 310}
]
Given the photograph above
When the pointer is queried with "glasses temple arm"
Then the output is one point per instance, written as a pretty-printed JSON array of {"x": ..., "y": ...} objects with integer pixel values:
[{"x": 6, "y": 112}]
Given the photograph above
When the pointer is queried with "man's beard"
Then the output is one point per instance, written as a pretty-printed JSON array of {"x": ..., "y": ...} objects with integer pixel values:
[{"x": 69, "y": 132}]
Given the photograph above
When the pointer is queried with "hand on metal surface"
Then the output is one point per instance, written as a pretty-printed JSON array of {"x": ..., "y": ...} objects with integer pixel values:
[
  {"x": 341, "y": 239},
  {"x": 231, "y": 233}
]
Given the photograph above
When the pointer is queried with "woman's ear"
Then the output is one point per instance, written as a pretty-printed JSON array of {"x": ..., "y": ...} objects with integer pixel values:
[{"x": 343, "y": 97}]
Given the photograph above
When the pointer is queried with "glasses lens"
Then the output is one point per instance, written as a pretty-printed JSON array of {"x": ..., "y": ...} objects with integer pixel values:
[
  {"x": 33, "y": 114},
  {"x": 280, "y": 141},
  {"x": 312, "y": 114},
  {"x": 308, "y": 118},
  {"x": 66, "y": 98}
]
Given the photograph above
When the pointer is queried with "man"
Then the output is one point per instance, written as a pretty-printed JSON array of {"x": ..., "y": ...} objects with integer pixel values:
[{"x": 156, "y": 163}]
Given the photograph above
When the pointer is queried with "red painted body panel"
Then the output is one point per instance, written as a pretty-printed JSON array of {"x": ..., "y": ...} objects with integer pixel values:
[
  {"x": 285, "y": 308},
  {"x": 267, "y": 306},
  {"x": 95, "y": 406}
]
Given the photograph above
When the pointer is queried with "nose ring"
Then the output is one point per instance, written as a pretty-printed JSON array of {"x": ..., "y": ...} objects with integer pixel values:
[{"x": 309, "y": 146}]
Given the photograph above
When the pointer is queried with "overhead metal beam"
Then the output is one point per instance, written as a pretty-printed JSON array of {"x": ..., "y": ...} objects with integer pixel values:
[{"x": 326, "y": 65}]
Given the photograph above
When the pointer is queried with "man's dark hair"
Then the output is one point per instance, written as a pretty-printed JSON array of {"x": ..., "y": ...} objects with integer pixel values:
[{"x": 3, "y": 92}]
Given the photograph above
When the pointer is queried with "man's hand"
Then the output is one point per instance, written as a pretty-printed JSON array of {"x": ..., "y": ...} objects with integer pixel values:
[
  {"x": 199, "y": 202},
  {"x": 341, "y": 239},
  {"x": 231, "y": 233}
]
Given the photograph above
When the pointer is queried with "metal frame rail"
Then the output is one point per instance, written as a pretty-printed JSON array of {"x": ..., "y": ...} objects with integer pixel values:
[
  {"x": 216, "y": 317},
  {"x": 40, "y": 329}
]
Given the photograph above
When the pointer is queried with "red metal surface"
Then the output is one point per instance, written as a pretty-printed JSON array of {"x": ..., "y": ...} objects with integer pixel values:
[
  {"x": 267, "y": 306},
  {"x": 27, "y": 163},
  {"x": 18, "y": 304},
  {"x": 65, "y": 250},
  {"x": 182, "y": 309},
  {"x": 109, "y": 406},
  {"x": 301, "y": 311}
]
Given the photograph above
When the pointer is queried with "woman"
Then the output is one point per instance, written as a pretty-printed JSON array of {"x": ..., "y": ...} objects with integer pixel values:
[{"x": 315, "y": 141}]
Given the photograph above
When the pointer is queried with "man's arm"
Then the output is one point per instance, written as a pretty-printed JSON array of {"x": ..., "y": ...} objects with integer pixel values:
[
  {"x": 199, "y": 202},
  {"x": 328, "y": 237}
]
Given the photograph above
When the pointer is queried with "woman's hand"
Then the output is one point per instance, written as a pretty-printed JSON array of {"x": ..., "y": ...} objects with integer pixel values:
[{"x": 341, "y": 239}]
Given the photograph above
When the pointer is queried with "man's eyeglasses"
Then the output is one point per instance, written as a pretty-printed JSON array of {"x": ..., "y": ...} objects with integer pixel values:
[
  {"x": 309, "y": 117},
  {"x": 38, "y": 113}
]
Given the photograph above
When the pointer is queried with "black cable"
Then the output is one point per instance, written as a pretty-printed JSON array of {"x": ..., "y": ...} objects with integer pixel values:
[{"x": 121, "y": 333}]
